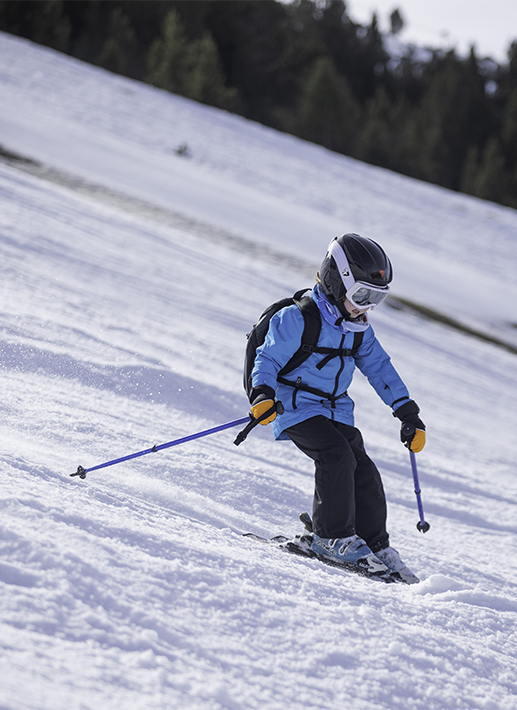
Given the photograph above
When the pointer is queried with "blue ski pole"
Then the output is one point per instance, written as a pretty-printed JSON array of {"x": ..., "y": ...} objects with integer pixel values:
[
  {"x": 421, "y": 525},
  {"x": 81, "y": 472}
]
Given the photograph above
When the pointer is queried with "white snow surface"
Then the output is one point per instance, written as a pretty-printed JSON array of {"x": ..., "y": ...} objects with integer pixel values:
[{"x": 123, "y": 316}]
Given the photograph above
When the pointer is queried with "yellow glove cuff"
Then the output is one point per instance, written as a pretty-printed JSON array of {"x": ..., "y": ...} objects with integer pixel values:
[
  {"x": 258, "y": 409},
  {"x": 418, "y": 442}
]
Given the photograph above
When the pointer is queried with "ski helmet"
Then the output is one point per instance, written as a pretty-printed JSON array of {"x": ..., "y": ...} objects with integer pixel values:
[{"x": 352, "y": 265}]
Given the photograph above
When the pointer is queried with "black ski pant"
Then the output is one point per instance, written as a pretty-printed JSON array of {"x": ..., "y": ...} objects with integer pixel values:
[{"x": 349, "y": 496}]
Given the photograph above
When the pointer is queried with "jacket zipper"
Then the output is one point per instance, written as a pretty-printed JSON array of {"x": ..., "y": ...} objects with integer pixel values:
[{"x": 338, "y": 375}]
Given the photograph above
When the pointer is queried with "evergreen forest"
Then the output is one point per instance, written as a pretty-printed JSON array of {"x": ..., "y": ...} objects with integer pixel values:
[{"x": 307, "y": 68}]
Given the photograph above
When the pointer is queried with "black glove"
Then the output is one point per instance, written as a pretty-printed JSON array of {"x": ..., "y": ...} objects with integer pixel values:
[{"x": 412, "y": 431}]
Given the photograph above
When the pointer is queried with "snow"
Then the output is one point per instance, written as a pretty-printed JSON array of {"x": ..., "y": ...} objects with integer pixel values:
[{"x": 129, "y": 277}]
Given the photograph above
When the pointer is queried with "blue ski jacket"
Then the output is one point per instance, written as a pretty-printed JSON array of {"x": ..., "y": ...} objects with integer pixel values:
[{"x": 283, "y": 339}]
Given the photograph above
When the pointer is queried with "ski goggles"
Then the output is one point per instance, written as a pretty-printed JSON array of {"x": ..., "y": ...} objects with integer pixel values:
[{"x": 361, "y": 295}]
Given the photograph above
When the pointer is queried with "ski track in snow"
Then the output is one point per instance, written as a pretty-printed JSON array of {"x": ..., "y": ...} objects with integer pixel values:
[{"x": 134, "y": 588}]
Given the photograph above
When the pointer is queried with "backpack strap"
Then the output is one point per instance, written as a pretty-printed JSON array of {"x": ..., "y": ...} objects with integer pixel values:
[
  {"x": 311, "y": 332},
  {"x": 299, "y": 385},
  {"x": 331, "y": 353},
  {"x": 309, "y": 345},
  {"x": 358, "y": 339}
]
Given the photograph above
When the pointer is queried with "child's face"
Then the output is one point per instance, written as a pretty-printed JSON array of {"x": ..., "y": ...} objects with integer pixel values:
[{"x": 354, "y": 312}]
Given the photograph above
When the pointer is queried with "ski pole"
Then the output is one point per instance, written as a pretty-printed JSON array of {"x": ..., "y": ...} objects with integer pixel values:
[
  {"x": 421, "y": 525},
  {"x": 81, "y": 472},
  {"x": 408, "y": 430}
]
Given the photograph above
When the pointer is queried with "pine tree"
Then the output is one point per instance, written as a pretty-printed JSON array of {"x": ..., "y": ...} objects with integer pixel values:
[
  {"x": 452, "y": 115},
  {"x": 43, "y": 21},
  {"x": 509, "y": 130},
  {"x": 204, "y": 80},
  {"x": 509, "y": 142},
  {"x": 377, "y": 143},
  {"x": 470, "y": 171},
  {"x": 166, "y": 59},
  {"x": 485, "y": 175},
  {"x": 328, "y": 112},
  {"x": 120, "y": 45},
  {"x": 191, "y": 68},
  {"x": 492, "y": 177},
  {"x": 396, "y": 22}
]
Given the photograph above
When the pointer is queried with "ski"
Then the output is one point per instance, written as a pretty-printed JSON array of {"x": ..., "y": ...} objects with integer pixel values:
[{"x": 301, "y": 545}]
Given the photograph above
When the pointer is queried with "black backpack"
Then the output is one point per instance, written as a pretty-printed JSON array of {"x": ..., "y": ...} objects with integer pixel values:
[{"x": 311, "y": 333}]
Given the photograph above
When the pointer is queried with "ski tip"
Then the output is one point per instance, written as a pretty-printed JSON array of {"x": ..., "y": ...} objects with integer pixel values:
[
  {"x": 277, "y": 539},
  {"x": 253, "y": 536}
]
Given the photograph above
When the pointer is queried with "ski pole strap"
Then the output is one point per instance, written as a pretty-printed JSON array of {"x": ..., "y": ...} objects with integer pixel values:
[{"x": 241, "y": 436}]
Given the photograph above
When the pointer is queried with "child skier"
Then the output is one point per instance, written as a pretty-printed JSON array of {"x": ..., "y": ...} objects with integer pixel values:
[{"x": 349, "y": 508}]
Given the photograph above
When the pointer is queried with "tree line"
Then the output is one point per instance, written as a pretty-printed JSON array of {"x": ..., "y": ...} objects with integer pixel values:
[{"x": 306, "y": 68}]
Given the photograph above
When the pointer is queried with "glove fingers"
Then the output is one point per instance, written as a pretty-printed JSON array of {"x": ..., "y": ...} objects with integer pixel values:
[
  {"x": 418, "y": 441},
  {"x": 261, "y": 407}
]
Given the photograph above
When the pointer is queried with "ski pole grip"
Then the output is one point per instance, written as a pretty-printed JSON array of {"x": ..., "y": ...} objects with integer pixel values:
[
  {"x": 277, "y": 407},
  {"x": 408, "y": 429}
]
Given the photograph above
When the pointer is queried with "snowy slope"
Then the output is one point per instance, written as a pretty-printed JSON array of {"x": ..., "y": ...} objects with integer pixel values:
[
  {"x": 122, "y": 324},
  {"x": 258, "y": 183}
]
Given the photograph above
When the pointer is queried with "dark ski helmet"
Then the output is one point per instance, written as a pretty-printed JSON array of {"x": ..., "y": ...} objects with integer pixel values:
[{"x": 358, "y": 268}]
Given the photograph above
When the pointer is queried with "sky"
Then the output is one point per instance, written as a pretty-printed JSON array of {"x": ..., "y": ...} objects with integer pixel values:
[{"x": 491, "y": 25}]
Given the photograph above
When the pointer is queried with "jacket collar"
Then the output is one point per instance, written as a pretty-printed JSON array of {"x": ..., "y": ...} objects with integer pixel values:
[{"x": 333, "y": 315}]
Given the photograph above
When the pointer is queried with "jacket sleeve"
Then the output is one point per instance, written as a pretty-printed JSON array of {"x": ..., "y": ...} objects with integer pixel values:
[
  {"x": 283, "y": 339},
  {"x": 375, "y": 363}
]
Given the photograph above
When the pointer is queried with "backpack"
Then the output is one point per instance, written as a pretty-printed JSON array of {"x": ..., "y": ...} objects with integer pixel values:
[{"x": 311, "y": 333}]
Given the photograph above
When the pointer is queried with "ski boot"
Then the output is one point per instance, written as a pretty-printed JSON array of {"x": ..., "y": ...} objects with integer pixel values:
[{"x": 397, "y": 569}]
